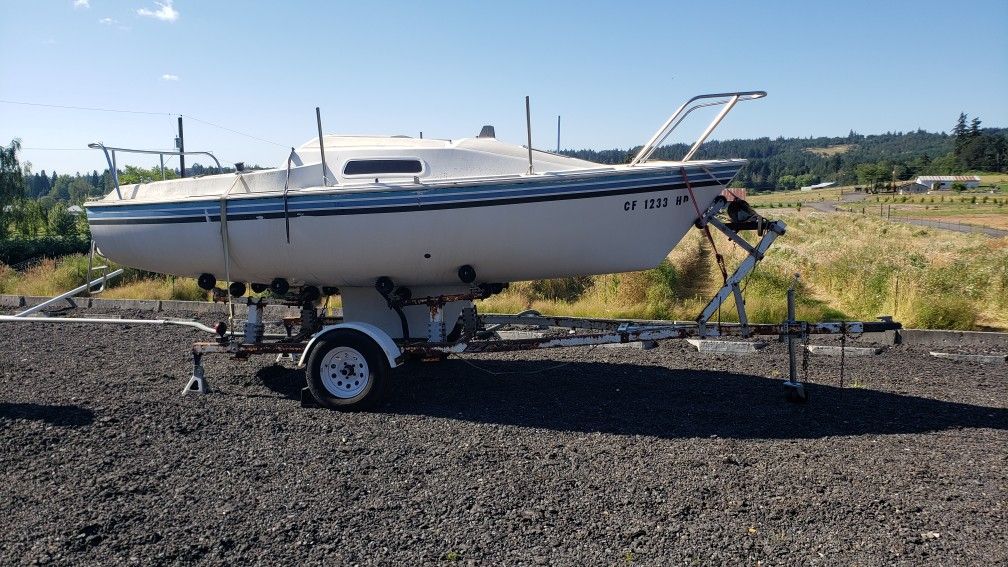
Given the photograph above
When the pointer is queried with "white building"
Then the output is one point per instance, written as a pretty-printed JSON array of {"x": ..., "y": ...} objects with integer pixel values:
[{"x": 943, "y": 182}]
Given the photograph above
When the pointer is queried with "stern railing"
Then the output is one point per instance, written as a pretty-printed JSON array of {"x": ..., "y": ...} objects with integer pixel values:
[{"x": 110, "y": 157}]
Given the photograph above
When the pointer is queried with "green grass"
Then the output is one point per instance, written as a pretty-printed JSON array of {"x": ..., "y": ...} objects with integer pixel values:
[{"x": 973, "y": 208}]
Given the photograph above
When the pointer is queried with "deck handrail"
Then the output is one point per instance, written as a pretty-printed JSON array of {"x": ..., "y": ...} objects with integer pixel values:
[
  {"x": 110, "y": 153},
  {"x": 727, "y": 99}
]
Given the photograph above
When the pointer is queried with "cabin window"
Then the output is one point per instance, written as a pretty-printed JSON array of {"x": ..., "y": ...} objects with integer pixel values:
[{"x": 382, "y": 166}]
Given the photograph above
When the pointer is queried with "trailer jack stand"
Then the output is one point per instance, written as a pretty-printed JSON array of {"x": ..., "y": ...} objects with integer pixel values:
[
  {"x": 794, "y": 388},
  {"x": 197, "y": 384},
  {"x": 795, "y": 392}
]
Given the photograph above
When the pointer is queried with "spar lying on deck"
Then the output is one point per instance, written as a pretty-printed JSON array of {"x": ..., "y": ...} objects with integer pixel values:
[{"x": 410, "y": 232}]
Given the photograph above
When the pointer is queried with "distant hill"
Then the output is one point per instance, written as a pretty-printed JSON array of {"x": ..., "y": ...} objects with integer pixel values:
[{"x": 790, "y": 162}]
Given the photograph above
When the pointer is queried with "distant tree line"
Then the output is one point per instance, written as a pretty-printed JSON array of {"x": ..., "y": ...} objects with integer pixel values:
[
  {"x": 788, "y": 163},
  {"x": 78, "y": 187}
]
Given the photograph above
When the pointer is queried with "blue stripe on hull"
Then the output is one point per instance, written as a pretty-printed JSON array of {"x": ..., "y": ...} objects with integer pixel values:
[{"x": 423, "y": 198}]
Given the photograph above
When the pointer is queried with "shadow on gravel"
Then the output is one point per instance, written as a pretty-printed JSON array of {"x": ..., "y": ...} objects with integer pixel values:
[
  {"x": 60, "y": 416},
  {"x": 628, "y": 399},
  {"x": 284, "y": 381}
]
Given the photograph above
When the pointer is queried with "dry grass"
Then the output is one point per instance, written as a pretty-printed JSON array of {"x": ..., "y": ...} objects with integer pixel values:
[
  {"x": 159, "y": 287},
  {"x": 792, "y": 197},
  {"x": 831, "y": 150},
  {"x": 852, "y": 267},
  {"x": 52, "y": 277},
  {"x": 849, "y": 266}
]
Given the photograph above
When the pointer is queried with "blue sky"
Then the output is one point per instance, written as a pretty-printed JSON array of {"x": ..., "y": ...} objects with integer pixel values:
[{"x": 613, "y": 70}]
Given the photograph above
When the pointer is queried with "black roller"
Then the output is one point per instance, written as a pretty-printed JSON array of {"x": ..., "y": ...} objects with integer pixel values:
[
  {"x": 206, "y": 282},
  {"x": 259, "y": 287},
  {"x": 384, "y": 285},
  {"x": 330, "y": 290},
  {"x": 236, "y": 289},
  {"x": 467, "y": 274},
  {"x": 279, "y": 286}
]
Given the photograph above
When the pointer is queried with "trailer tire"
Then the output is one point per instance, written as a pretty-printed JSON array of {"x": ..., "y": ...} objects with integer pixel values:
[{"x": 347, "y": 371}]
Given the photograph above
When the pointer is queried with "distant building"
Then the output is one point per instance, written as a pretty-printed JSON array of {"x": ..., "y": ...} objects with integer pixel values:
[
  {"x": 75, "y": 210},
  {"x": 818, "y": 186},
  {"x": 944, "y": 182}
]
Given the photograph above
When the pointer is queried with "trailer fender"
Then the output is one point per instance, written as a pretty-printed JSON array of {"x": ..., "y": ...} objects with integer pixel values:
[{"x": 388, "y": 346}]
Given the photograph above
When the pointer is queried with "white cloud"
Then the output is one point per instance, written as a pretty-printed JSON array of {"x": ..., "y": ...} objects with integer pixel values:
[
  {"x": 165, "y": 12},
  {"x": 82, "y": 4},
  {"x": 169, "y": 77},
  {"x": 107, "y": 21}
]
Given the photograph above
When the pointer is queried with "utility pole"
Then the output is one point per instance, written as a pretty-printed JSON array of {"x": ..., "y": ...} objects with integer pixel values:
[
  {"x": 558, "y": 133},
  {"x": 181, "y": 148}
]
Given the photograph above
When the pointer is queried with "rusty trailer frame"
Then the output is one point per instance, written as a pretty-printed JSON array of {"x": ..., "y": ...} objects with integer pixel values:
[{"x": 556, "y": 332}]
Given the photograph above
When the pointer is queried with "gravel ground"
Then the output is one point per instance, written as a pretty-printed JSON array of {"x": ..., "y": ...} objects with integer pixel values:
[{"x": 621, "y": 456}]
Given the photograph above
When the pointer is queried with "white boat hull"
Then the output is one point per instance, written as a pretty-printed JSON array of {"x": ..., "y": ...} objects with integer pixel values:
[{"x": 548, "y": 235}]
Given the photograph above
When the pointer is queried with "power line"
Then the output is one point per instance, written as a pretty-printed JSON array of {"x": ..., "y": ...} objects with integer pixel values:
[
  {"x": 234, "y": 131},
  {"x": 69, "y": 107}
]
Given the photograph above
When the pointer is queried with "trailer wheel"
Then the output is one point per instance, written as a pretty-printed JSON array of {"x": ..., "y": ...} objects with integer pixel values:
[{"x": 347, "y": 371}]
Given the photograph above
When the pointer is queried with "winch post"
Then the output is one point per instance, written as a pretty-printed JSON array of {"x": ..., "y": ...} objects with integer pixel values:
[{"x": 732, "y": 285}]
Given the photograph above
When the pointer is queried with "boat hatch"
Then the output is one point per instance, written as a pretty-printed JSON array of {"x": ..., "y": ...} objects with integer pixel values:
[{"x": 382, "y": 166}]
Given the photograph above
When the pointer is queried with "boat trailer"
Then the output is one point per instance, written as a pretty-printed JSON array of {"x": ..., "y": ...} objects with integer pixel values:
[{"x": 354, "y": 358}]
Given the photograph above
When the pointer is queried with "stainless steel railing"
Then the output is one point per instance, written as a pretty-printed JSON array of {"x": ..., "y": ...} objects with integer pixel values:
[
  {"x": 110, "y": 157},
  {"x": 727, "y": 99}
]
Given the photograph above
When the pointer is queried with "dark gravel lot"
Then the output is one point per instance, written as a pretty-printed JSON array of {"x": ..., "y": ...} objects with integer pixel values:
[{"x": 622, "y": 456}]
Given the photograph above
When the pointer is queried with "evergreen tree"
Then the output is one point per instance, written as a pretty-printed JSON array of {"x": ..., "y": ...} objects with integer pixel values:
[
  {"x": 960, "y": 127},
  {"x": 44, "y": 184},
  {"x": 974, "y": 130},
  {"x": 960, "y": 132}
]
